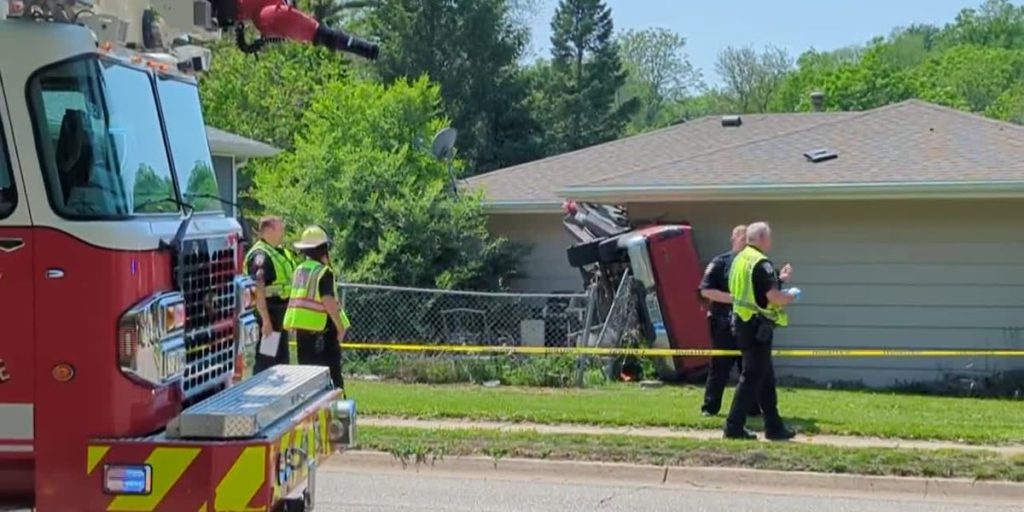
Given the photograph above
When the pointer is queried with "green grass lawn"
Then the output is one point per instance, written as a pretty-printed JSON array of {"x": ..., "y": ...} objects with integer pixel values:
[
  {"x": 424, "y": 445},
  {"x": 976, "y": 421}
]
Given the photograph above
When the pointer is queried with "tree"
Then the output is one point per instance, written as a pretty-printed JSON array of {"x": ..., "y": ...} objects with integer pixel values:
[
  {"x": 659, "y": 74},
  {"x": 472, "y": 50},
  {"x": 970, "y": 78},
  {"x": 1009, "y": 106},
  {"x": 813, "y": 69},
  {"x": 263, "y": 97},
  {"x": 996, "y": 23},
  {"x": 752, "y": 78},
  {"x": 586, "y": 75},
  {"x": 358, "y": 170}
]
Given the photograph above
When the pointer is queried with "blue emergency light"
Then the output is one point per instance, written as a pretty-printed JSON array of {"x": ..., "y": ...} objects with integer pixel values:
[{"x": 131, "y": 480}]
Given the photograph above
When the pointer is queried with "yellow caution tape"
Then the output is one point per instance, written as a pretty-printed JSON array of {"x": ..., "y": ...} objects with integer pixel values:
[{"x": 670, "y": 352}]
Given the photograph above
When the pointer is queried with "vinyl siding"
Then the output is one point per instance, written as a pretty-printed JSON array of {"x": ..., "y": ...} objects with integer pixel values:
[
  {"x": 897, "y": 274},
  {"x": 546, "y": 268}
]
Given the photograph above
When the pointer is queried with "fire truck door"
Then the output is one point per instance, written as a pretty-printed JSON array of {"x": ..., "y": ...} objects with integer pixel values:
[{"x": 16, "y": 298}]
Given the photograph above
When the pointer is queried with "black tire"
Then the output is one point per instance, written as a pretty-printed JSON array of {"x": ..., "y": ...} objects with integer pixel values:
[
  {"x": 608, "y": 251},
  {"x": 583, "y": 254}
]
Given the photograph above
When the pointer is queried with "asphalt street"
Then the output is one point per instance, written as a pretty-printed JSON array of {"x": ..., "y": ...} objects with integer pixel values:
[{"x": 380, "y": 490}]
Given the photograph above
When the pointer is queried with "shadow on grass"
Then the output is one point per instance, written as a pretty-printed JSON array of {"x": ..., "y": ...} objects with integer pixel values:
[{"x": 808, "y": 426}]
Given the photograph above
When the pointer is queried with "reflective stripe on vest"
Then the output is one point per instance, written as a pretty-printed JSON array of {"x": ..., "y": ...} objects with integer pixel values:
[
  {"x": 284, "y": 267},
  {"x": 306, "y": 310},
  {"x": 741, "y": 287}
]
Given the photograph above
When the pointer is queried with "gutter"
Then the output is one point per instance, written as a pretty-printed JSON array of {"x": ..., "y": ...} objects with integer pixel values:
[{"x": 799, "y": 191}]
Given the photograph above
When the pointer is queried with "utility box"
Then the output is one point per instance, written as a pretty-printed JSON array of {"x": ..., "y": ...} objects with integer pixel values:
[{"x": 531, "y": 332}]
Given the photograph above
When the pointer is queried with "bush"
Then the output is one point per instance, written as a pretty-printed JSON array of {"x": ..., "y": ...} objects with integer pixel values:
[{"x": 542, "y": 371}]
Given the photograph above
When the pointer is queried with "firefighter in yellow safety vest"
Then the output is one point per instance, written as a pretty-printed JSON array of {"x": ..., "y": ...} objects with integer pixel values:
[
  {"x": 271, "y": 266},
  {"x": 314, "y": 312}
]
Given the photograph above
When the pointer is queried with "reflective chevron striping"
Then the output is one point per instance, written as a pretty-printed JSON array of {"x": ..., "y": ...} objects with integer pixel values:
[
  {"x": 241, "y": 483},
  {"x": 95, "y": 455}
]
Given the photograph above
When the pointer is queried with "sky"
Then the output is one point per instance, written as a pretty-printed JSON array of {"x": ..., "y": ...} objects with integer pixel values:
[{"x": 795, "y": 25}]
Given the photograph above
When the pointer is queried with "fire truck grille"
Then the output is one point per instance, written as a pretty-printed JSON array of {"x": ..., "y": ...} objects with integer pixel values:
[{"x": 205, "y": 274}]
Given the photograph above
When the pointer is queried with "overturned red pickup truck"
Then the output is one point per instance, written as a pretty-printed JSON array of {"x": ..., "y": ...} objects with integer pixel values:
[{"x": 660, "y": 266}]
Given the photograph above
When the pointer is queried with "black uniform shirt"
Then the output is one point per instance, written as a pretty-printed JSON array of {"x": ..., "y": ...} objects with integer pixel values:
[
  {"x": 326, "y": 285},
  {"x": 326, "y": 288},
  {"x": 716, "y": 277},
  {"x": 765, "y": 279}
]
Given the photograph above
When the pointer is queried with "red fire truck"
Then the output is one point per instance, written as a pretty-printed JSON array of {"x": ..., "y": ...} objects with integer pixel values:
[{"x": 124, "y": 316}]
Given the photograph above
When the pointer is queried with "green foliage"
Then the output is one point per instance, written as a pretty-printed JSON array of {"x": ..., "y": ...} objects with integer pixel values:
[
  {"x": 996, "y": 24},
  {"x": 546, "y": 371},
  {"x": 968, "y": 77},
  {"x": 359, "y": 168},
  {"x": 973, "y": 64},
  {"x": 1009, "y": 106},
  {"x": 265, "y": 97},
  {"x": 471, "y": 49},
  {"x": 578, "y": 99},
  {"x": 660, "y": 74}
]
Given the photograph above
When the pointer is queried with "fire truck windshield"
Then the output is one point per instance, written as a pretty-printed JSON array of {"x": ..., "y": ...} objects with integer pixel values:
[
  {"x": 190, "y": 149},
  {"x": 100, "y": 140}
]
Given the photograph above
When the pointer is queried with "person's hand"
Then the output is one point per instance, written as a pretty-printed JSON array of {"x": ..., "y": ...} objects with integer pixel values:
[
  {"x": 266, "y": 329},
  {"x": 786, "y": 272},
  {"x": 341, "y": 336}
]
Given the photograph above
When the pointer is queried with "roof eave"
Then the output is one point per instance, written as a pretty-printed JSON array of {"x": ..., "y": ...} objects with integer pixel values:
[
  {"x": 770, "y": 192},
  {"x": 243, "y": 150},
  {"x": 523, "y": 207}
]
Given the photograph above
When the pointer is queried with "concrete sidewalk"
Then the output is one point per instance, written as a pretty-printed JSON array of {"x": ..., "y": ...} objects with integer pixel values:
[{"x": 828, "y": 440}]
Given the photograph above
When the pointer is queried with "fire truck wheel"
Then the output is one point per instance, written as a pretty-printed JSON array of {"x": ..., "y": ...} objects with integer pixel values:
[
  {"x": 295, "y": 505},
  {"x": 583, "y": 254}
]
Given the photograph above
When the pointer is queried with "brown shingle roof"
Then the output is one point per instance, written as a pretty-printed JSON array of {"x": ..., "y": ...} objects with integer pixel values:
[
  {"x": 912, "y": 141},
  {"x": 541, "y": 180},
  {"x": 908, "y": 142}
]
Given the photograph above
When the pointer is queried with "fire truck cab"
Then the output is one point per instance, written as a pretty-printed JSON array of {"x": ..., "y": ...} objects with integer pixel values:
[{"x": 123, "y": 310}]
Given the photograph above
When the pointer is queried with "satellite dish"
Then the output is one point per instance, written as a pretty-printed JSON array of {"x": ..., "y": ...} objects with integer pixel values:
[{"x": 444, "y": 143}]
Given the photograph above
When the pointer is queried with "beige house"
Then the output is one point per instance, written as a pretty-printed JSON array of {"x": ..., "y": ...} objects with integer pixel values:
[
  {"x": 230, "y": 152},
  {"x": 909, "y": 238}
]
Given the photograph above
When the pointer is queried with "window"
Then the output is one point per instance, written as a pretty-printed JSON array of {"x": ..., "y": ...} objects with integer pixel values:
[
  {"x": 183, "y": 116},
  {"x": 8, "y": 195},
  {"x": 100, "y": 140}
]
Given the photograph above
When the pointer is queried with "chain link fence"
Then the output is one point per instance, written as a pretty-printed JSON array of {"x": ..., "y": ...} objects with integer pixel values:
[{"x": 396, "y": 315}]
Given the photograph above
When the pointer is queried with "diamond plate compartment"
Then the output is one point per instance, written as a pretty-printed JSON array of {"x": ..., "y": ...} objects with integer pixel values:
[{"x": 244, "y": 410}]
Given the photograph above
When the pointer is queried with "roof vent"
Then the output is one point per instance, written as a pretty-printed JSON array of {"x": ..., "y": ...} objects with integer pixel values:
[
  {"x": 820, "y": 155},
  {"x": 818, "y": 101},
  {"x": 731, "y": 121}
]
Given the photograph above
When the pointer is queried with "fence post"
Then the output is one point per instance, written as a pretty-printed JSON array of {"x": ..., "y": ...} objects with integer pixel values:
[{"x": 584, "y": 339}]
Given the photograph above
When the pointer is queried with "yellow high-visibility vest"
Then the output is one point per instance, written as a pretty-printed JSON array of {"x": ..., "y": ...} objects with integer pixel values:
[
  {"x": 306, "y": 310},
  {"x": 284, "y": 268},
  {"x": 741, "y": 287}
]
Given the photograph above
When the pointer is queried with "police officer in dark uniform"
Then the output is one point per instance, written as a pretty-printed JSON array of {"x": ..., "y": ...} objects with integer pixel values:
[
  {"x": 758, "y": 306},
  {"x": 271, "y": 266},
  {"x": 715, "y": 288}
]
